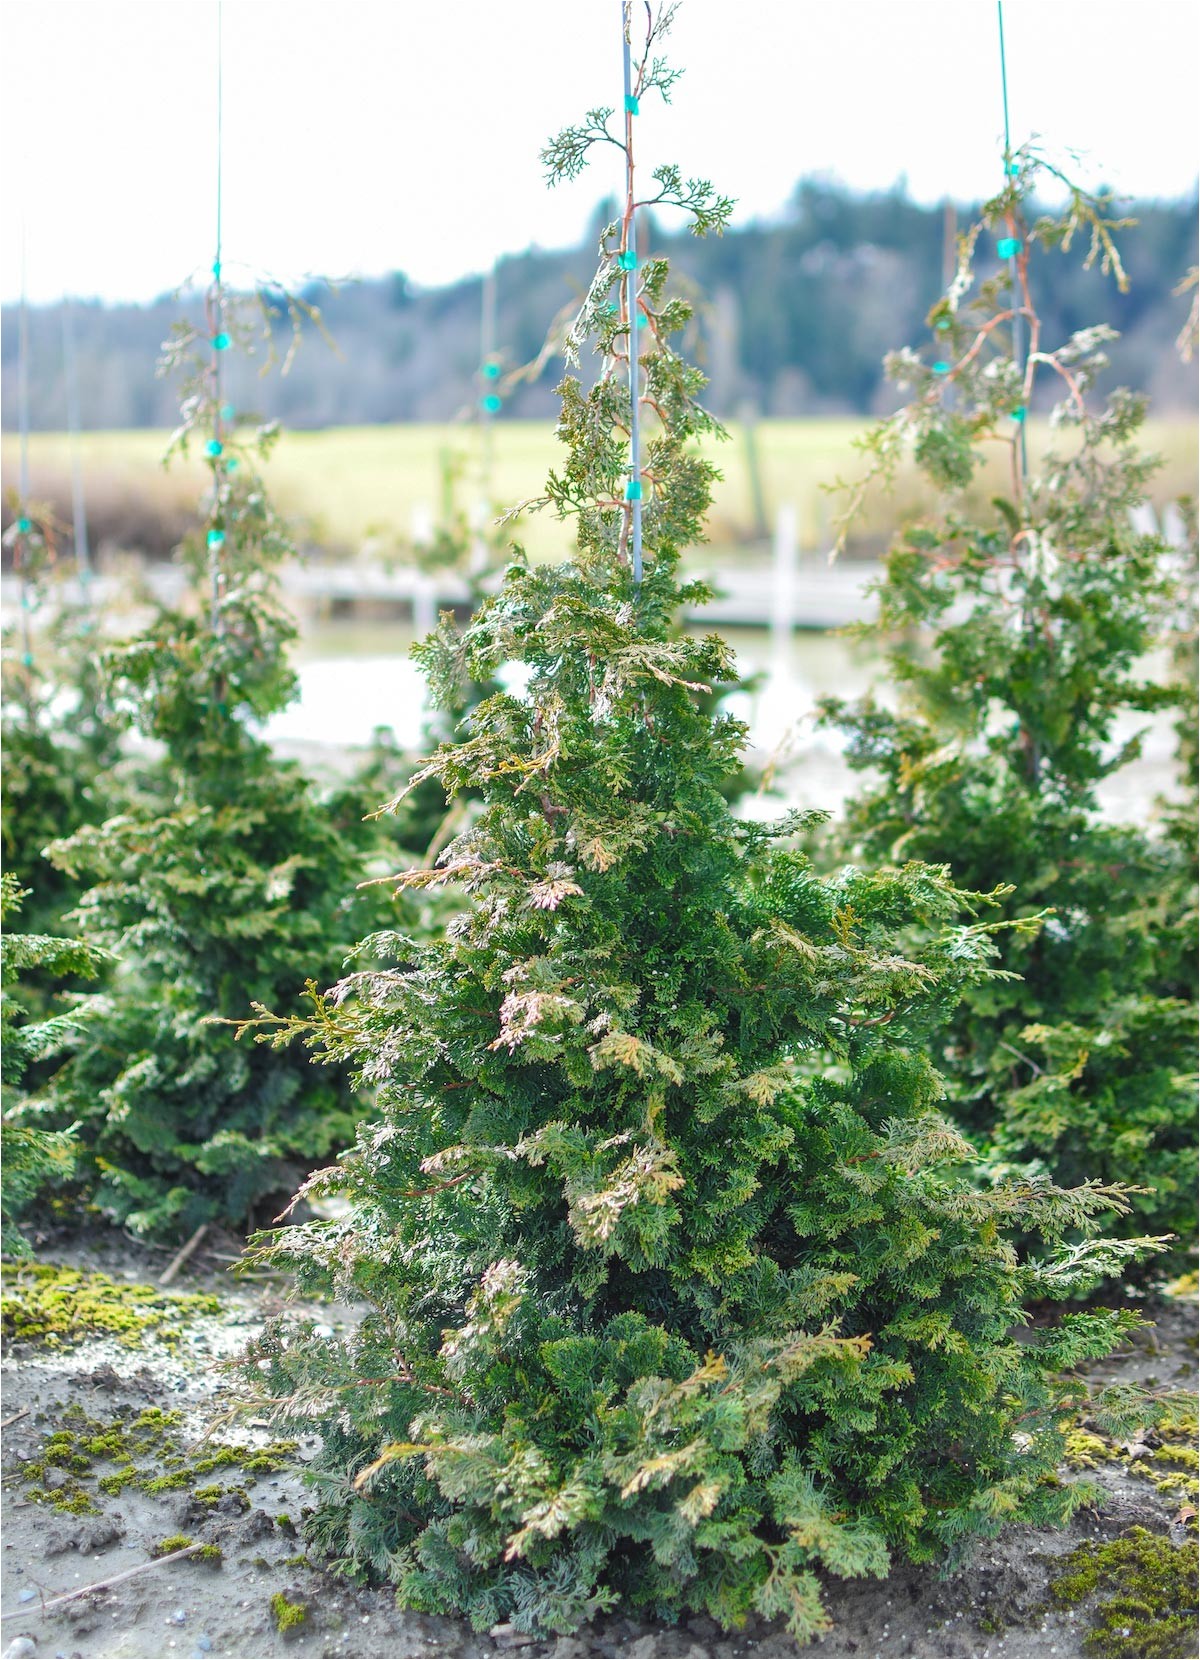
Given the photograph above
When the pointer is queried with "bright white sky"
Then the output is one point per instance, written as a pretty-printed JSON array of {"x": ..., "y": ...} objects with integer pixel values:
[{"x": 363, "y": 136}]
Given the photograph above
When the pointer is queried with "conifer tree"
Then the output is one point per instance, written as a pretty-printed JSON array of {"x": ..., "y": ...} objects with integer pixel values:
[
  {"x": 61, "y": 739},
  {"x": 674, "y": 1295},
  {"x": 234, "y": 882},
  {"x": 1018, "y": 637},
  {"x": 32, "y": 1158}
]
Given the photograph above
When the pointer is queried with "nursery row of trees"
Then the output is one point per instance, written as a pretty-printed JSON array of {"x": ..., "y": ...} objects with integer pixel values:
[{"x": 696, "y": 1172}]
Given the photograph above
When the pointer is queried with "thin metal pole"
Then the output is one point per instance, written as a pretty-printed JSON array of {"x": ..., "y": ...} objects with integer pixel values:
[
  {"x": 83, "y": 554},
  {"x": 631, "y": 289},
  {"x": 487, "y": 351},
  {"x": 23, "y": 479},
  {"x": 487, "y": 402},
  {"x": 1013, "y": 270},
  {"x": 216, "y": 544}
]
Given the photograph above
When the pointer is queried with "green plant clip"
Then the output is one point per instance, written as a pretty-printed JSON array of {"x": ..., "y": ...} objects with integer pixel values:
[
  {"x": 220, "y": 342},
  {"x": 492, "y": 403},
  {"x": 633, "y": 490},
  {"x": 627, "y": 260},
  {"x": 631, "y": 104},
  {"x": 1008, "y": 247}
]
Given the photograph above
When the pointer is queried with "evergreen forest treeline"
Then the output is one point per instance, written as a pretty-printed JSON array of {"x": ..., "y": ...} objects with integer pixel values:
[{"x": 792, "y": 318}]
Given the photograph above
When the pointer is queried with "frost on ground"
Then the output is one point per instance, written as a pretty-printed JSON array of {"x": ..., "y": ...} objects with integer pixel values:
[{"x": 107, "y": 1465}]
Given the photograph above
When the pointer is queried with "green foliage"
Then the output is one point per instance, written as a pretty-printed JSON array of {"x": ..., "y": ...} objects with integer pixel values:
[
  {"x": 677, "y": 1293},
  {"x": 224, "y": 886},
  {"x": 61, "y": 738},
  {"x": 32, "y": 1158},
  {"x": 1018, "y": 640}
]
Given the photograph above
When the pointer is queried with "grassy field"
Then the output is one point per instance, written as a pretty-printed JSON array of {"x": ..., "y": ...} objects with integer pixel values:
[{"x": 357, "y": 489}]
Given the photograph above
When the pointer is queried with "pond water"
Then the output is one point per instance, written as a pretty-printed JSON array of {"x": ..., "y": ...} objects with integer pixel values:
[{"x": 357, "y": 675}]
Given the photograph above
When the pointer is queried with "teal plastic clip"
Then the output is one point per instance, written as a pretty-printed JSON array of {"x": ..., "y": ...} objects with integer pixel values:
[
  {"x": 631, "y": 103},
  {"x": 214, "y": 447},
  {"x": 1018, "y": 414},
  {"x": 217, "y": 269},
  {"x": 941, "y": 368},
  {"x": 491, "y": 371},
  {"x": 1012, "y": 168},
  {"x": 227, "y": 412},
  {"x": 491, "y": 403},
  {"x": 216, "y": 539},
  {"x": 220, "y": 342},
  {"x": 24, "y": 526},
  {"x": 1008, "y": 247},
  {"x": 628, "y": 260},
  {"x": 26, "y": 659},
  {"x": 633, "y": 490}
]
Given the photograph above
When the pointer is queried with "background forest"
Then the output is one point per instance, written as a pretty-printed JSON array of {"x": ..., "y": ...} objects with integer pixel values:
[{"x": 792, "y": 318}]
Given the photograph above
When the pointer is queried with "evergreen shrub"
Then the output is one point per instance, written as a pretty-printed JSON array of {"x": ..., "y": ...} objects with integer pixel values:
[
  {"x": 61, "y": 739},
  {"x": 676, "y": 1294},
  {"x": 1019, "y": 640},
  {"x": 228, "y": 885},
  {"x": 32, "y": 1158}
]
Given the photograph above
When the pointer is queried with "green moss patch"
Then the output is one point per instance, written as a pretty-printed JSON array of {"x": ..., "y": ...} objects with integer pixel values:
[
  {"x": 211, "y": 1554},
  {"x": 287, "y": 1615},
  {"x": 165, "y": 1547},
  {"x": 1147, "y": 1591},
  {"x": 85, "y": 1456},
  {"x": 57, "y": 1308},
  {"x": 1166, "y": 1458}
]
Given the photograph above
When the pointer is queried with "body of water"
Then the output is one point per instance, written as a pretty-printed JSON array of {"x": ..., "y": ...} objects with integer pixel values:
[{"x": 356, "y": 676}]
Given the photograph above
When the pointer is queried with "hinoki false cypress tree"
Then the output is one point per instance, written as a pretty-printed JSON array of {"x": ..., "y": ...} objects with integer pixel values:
[
  {"x": 673, "y": 1296},
  {"x": 1018, "y": 636},
  {"x": 231, "y": 885},
  {"x": 61, "y": 739},
  {"x": 31, "y": 1157}
]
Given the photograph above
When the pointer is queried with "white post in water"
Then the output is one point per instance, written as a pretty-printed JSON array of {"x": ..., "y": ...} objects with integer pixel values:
[
  {"x": 424, "y": 589},
  {"x": 783, "y": 606}
]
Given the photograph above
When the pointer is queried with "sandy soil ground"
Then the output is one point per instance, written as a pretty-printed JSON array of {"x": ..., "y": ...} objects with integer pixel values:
[{"x": 993, "y": 1609}]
